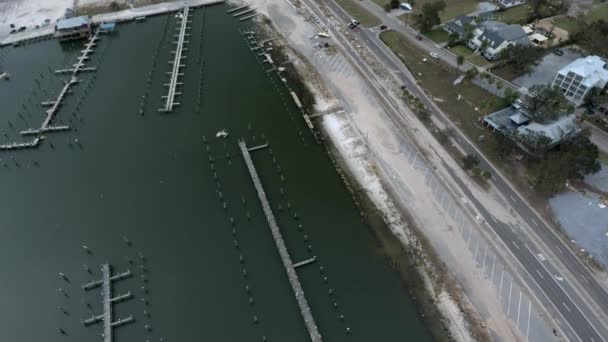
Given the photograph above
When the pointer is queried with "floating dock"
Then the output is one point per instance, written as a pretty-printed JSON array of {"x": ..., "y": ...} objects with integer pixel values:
[
  {"x": 237, "y": 9},
  {"x": 294, "y": 281},
  {"x": 21, "y": 146},
  {"x": 108, "y": 301},
  {"x": 177, "y": 62}
]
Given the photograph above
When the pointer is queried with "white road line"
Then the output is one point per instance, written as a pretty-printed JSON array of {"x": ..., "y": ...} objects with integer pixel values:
[
  {"x": 559, "y": 249},
  {"x": 540, "y": 274},
  {"x": 493, "y": 219},
  {"x": 529, "y": 313},
  {"x": 534, "y": 221},
  {"x": 512, "y": 198},
  {"x": 469, "y": 239},
  {"x": 492, "y": 273},
  {"x": 510, "y": 291},
  {"x": 566, "y": 306},
  {"x": 585, "y": 279},
  {"x": 476, "y": 248},
  {"x": 501, "y": 278},
  {"x": 514, "y": 244},
  {"x": 485, "y": 254},
  {"x": 518, "y": 309},
  {"x": 415, "y": 157}
]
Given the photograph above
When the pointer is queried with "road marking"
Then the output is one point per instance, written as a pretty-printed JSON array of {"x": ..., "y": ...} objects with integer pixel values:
[
  {"x": 529, "y": 312},
  {"x": 493, "y": 219},
  {"x": 585, "y": 279},
  {"x": 469, "y": 239},
  {"x": 492, "y": 273},
  {"x": 510, "y": 291},
  {"x": 501, "y": 278},
  {"x": 493, "y": 178},
  {"x": 485, "y": 254},
  {"x": 566, "y": 306},
  {"x": 541, "y": 257},
  {"x": 534, "y": 221},
  {"x": 415, "y": 158},
  {"x": 476, "y": 248},
  {"x": 560, "y": 250},
  {"x": 512, "y": 198},
  {"x": 539, "y": 274},
  {"x": 516, "y": 246},
  {"x": 518, "y": 309}
]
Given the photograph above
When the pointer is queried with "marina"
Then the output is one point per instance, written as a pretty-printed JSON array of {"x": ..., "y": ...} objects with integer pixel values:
[{"x": 118, "y": 183}]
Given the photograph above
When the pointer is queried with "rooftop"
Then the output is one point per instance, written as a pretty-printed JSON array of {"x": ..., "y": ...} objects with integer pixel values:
[
  {"x": 555, "y": 131},
  {"x": 497, "y": 34},
  {"x": 591, "y": 68},
  {"x": 63, "y": 24}
]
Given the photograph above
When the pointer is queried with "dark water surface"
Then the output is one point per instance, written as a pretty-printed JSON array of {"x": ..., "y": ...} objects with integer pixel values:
[{"x": 150, "y": 178}]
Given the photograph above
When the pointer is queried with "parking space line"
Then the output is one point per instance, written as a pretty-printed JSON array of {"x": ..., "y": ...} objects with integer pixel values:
[
  {"x": 485, "y": 254},
  {"x": 566, "y": 306},
  {"x": 540, "y": 274},
  {"x": 469, "y": 239},
  {"x": 510, "y": 291},
  {"x": 476, "y": 248},
  {"x": 529, "y": 313},
  {"x": 502, "y": 275},
  {"x": 492, "y": 273},
  {"x": 514, "y": 244},
  {"x": 518, "y": 309}
]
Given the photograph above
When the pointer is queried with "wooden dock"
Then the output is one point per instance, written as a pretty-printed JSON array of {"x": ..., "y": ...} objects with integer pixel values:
[
  {"x": 21, "y": 146},
  {"x": 237, "y": 9},
  {"x": 294, "y": 281},
  {"x": 177, "y": 62},
  {"x": 108, "y": 301}
]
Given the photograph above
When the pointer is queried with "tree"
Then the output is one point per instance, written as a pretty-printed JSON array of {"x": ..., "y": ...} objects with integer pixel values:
[
  {"x": 522, "y": 58},
  {"x": 394, "y": 4},
  {"x": 596, "y": 98},
  {"x": 471, "y": 73},
  {"x": 546, "y": 8},
  {"x": 429, "y": 15},
  {"x": 459, "y": 60},
  {"x": 387, "y": 7},
  {"x": 546, "y": 103},
  {"x": 592, "y": 37},
  {"x": 509, "y": 97},
  {"x": 483, "y": 46}
]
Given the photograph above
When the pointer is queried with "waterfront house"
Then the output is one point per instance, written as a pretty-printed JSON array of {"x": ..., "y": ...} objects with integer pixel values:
[
  {"x": 499, "y": 36},
  {"x": 73, "y": 28},
  {"x": 459, "y": 26}
]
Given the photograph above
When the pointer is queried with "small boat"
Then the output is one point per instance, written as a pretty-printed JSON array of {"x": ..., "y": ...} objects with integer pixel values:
[
  {"x": 4, "y": 76},
  {"x": 221, "y": 134},
  {"x": 142, "y": 18}
]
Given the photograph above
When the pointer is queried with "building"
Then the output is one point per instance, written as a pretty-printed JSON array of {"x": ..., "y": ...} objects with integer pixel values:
[
  {"x": 499, "y": 36},
  {"x": 73, "y": 28},
  {"x": 578, "y": 78},
  {"x": 510, "y": 3},
  {"x": 459, "y": 26},
  {"x": 515, "y": 123}
]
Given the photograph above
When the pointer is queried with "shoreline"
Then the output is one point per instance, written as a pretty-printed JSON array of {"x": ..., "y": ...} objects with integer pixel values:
[{"x": 440, "y": 302}]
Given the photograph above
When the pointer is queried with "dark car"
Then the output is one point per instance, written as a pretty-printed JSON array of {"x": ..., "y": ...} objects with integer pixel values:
[
  {"x": 22, "y": 28},
  {"x": 419, "y": 37},
  {"x": 383, "y": 27},
  {"x": 558, "y": 52},
  {"x": 13, "y": 31}
]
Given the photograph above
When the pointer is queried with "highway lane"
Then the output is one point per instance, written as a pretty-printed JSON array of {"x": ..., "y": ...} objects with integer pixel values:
[{"x": 560, "y": 300}]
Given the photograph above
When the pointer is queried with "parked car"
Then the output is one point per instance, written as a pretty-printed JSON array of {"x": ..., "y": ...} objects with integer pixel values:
[
  {"x": 22, "y": 28},
  {"x": 434, "y": 55},
  {"x": 383, "y": 27},
  {"x": 13, "y": 31},
  {"x": 419, "y": 37},
  {"x": 558, "y": 52},
  {"x": 353, "y": 24}
]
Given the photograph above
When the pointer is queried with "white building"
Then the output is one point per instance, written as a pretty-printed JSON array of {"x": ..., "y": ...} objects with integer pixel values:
[
  {"x": 510, "y": 3},
  {"x": 499, "y": 36},
  {"x": 579, "y": 77}
]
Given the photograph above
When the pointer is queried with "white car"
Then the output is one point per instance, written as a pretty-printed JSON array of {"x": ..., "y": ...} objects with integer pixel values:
[{"x": 434, "y": 55}]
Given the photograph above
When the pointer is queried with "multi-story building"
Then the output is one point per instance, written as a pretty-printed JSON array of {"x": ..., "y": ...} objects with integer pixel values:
[
  {"x": 578, "y": 78},
  {"x": 73, "y": 28}
]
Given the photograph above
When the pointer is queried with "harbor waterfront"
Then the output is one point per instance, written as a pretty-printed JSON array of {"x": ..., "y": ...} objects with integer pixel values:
[{"x": 168, "y": 199}]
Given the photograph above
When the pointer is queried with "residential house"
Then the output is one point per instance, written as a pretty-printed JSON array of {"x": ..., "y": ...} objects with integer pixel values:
[
  {"x": 510, "y": 3},
  {"x": 459, "y": 26},
  {"x": 578, "y": 78},
  {"x": 499, "y": 37},
  {"x": 515, "y": 123}
]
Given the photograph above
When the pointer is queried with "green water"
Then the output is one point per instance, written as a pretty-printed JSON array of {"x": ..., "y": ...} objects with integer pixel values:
[{"x": 150, "y": 178}]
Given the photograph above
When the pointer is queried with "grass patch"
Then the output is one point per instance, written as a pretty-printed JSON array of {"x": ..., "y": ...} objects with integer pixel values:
[
  {"x": 461, "y": 50},
  {"x": 598, "y": 13},
  {"x": 359, "y": 13},
  {"x": 438, "y": 35},
  {"x": 506, "y": 72},
  {"x": 452, "y": 9},
  {"x": 568, "y": 23},
  {"x": 436, "y": 79},
  {"x": 514, "y": 15},
  {"x": 477, "y": 60}
]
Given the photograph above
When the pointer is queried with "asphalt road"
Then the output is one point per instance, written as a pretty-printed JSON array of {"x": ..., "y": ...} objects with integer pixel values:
[{"x": 581, "y": 323}]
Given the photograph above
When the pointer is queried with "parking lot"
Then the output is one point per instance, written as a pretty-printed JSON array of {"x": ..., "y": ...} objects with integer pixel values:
[{"x": 545, "y": 71}]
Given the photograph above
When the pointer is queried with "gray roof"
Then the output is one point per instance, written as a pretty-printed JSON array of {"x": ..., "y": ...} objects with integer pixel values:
[
  {"x": 63, "y": 24},
  {"x": 458, "y": 24},
  {"x": 498, "y": 34}
]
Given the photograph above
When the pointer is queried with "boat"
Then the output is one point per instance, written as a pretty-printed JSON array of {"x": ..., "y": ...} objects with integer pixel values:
[
  {"x": 142, "y": 18},
  {"x": 221, "y": 134},
  {"x": 4, "y": 76}
]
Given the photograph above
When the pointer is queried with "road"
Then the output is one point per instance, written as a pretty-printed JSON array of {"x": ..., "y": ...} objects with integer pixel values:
[
  {"x": 599, "y": 137},
  {"x": 579, "y": 320}
]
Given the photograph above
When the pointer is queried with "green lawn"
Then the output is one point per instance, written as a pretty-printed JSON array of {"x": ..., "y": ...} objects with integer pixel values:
[
  {"x": 568, "y": 23},
  {"x": 478, "y": 60},
  {"x": 598, "y": 13},
  {"x": 461, "y": 50},
  {"x": 514, "y": 15},
  {"x": 453, "y": 8},
  {"x": 359, "y": 13},
  {"x": 438, "y": 35},
  {"x": 436, "y": 78}
]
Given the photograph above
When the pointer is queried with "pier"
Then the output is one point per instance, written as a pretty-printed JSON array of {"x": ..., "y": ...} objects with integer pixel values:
[
  {"x": 21, "y": 146},
  {"x": 294, "y": 281},
  {"x": 237, "y": 9},
  {"x": 108, "y": 301},
  {"x": 177, "y": 62}
]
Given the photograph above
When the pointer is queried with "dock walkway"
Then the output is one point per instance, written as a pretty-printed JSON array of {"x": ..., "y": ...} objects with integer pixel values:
[
  {"x": 294, "y": 281},
  {"x": 177, "y": 62}
]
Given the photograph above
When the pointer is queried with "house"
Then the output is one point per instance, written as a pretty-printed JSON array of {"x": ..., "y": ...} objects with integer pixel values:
[
  {"x": 499, "y": 36},
  {"x": 459, "y": 26},
  {"x": 515, "y": 123},
  {"x": 73, "y": 28},
  {"x": 510, "y": 3},
  {"x": 578, "y": 78}
]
